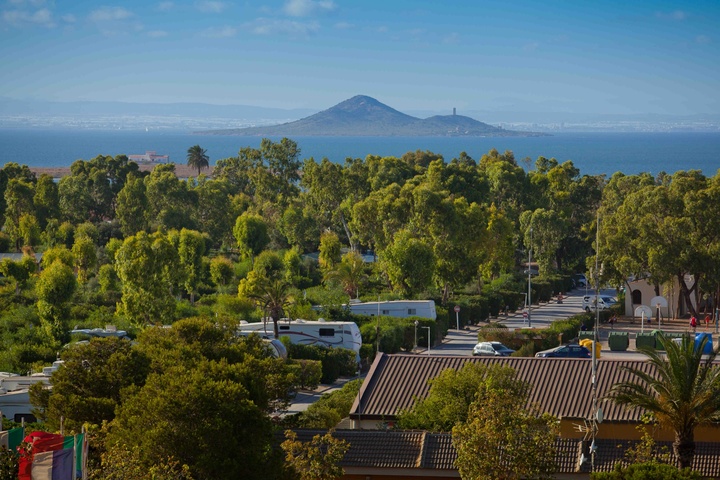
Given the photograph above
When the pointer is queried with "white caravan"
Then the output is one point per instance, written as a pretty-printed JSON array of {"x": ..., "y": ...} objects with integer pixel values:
[
  {"x": 396, "y": 308},
  {"x": 305, "y": 332}
]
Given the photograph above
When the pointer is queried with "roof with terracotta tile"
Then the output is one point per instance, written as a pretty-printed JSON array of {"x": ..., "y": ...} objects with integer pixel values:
[
  {"x": 398, "y": 449},
  {"x": 562, "y": 387}
]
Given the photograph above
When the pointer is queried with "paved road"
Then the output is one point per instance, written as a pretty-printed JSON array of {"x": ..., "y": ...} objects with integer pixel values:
[{"x": 460, "y": 343}]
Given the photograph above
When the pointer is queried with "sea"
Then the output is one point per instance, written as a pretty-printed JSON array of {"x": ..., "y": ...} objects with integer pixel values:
[{"x": 592, "y": 153}]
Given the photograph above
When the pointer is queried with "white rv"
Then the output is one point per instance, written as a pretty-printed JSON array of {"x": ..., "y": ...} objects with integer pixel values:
[
  {"x": 305, "y": 332},
  {"x": 396, "y": 308}
]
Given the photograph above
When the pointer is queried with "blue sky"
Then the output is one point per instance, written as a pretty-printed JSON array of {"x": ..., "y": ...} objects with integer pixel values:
[{"x": 557, "y": 56}]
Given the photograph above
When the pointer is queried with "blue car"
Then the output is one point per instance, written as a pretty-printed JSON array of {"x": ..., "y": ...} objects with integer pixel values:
[{"x": 565, "y": 351}]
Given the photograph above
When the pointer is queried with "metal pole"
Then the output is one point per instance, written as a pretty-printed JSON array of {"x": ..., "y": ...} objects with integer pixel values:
[
  {"x": 457, "y": 320},
  {"x": 377, "y": 328},
  {"x": 416, "y": 325},
  {"x": 529, "y": 295},
  {"x": 594, "y": 344},
  {"x": 428, "y": 329}
]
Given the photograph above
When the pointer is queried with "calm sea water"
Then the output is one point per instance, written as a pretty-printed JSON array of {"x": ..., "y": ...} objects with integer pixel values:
[{"x": 592, "y": 153}]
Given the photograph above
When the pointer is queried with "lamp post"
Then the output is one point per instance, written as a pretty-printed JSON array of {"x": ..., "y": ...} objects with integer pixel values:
[
  {"x": 529, "y": 294},
  {"x": 416, "y": 325},
  {"x": 428, "y": 329}
]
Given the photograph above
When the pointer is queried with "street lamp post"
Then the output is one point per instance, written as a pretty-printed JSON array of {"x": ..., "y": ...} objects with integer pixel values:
[
  {"x": 428, "y": 329},
  {"x": 416, "y": 325},
  {"x": 529, "y": 294}
]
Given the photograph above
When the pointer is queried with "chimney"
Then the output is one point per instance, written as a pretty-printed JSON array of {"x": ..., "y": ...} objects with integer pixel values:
[{"x": 454, "y": 112}]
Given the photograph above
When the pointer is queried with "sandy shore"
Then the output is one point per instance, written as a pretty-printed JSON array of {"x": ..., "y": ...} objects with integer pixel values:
[{"x": 182, "y": 171}]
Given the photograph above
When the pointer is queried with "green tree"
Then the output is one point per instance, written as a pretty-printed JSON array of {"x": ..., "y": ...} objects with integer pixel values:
[
  {"x": 132, "y": 206},
  {"x": 29, "y": 230},
  {"x": 85, "y": 255},
  {"x": 267, "y": 285},
  {"x": 54, "y": 289},
  {"x": 681, "y": 392},
  {"x": 329, "y": 250},
  {"x": 350, "y": 273},
  {"x": 46, "y": 200},
  {"x": 197, "y": 158},
  {"x": 221, "y": 271},
  {"x": 87, "y": 389},
  {"x": 317, "y": 459},
  {"x": 19, "y": 271},
  {"x": 162, "y": 420},
  {"x": 504, "y": 439},
  {"x": 251, "y": 234},
  {"x": 409, "y": 263},
  {"x": 147, "y": 268},
  {"x": 19, "y": 201},
  {"x": 191, "y": 248},
  {"x": 453, "y": 391}
]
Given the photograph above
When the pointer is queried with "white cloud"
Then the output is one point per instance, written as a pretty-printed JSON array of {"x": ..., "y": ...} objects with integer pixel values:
[
  {"x": 344, "y": 26},
  {"x": 69, "y": 18},
  {"x": 211, "y": 6},
  {"x": 106, "y": 14},
  {"x": 157, "y": 34},
  {"x": 264, "y": 26},
  {"x": 678, "y": 15},
  {"x": 32, "y": 3},
  {"x": 223, "y": 32},
  {"x": 165, "y": 6},
  {"x": 303, "y": 8},
  {"x": 24, "y": 17}
]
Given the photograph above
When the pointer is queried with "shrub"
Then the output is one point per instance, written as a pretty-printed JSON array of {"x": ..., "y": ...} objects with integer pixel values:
[
  {"x": 309, "y": 373},
  {"x": 648, "y": 470},
  {"x": 336, "y": 362}
]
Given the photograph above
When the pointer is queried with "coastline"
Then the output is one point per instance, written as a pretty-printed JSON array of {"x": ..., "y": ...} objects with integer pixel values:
[{"x": 182, "y": 171}]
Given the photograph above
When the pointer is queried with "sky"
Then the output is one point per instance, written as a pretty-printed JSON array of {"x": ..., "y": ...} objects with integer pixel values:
[{"x": 605, "y": 57}]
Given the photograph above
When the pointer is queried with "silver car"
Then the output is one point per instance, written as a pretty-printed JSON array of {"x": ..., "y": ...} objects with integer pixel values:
[{"x": 493, "y": 349}]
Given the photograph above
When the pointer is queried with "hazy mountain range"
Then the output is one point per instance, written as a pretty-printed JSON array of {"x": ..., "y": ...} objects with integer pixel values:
[
  {"x": 198, "y": 116},
  {"x": 364, "y": 116}
]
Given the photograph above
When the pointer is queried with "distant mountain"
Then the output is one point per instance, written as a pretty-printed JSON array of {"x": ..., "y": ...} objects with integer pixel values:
[{"x": 365, "y": 116}]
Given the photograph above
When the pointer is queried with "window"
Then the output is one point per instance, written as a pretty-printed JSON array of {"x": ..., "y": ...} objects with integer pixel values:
[
  {"x": 386, "y": 312},
  {"x": 412, "y": 311},
  {"x": 284, "y": 327},
  {"x": 327, "y": 332}
]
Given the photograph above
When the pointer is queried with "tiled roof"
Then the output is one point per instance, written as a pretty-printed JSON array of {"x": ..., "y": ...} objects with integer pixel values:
[
  {"x": 562, "y": 387},
  {"x": 397, "y": 449},
  {"x": 609, "y": 452}
]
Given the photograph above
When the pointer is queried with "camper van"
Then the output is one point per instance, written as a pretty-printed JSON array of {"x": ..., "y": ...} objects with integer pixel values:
[
  {"x": 305, "y": 332},
  {"x": 396, "y": 308}
]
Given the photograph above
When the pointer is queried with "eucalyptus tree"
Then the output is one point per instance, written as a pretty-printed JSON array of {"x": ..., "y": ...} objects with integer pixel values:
[
  {"x": 46, "y": 200},
  {"x": 170, "y": 200},
  {"x": 54, "y": 289},
  {"x": 147, "y": 267},
  {"x": 132, "y": 206},
  {"x": 251, "y": 234},
  {"x": 197, "y": 158},
  {"x": 19, "y": 201}
]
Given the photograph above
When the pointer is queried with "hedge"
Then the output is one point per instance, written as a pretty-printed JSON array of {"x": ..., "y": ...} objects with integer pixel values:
[{"x": 336, "y": 362}]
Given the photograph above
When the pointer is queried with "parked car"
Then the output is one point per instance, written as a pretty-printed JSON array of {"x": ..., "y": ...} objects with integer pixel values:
[
  {"x": 603, "y": 302},
  {"x": 565, "y": 351},
  {"x": 579, "y": 280},
  {"x": 493, "y": 349}
]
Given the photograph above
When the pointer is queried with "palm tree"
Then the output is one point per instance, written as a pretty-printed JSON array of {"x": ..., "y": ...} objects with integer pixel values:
[
  {"x": 350, "y": 273},
  {"x": 682, "y": 393},
  {"x": 197, "y": 158}
]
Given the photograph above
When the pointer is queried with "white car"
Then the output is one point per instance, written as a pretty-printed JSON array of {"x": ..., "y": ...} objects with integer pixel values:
[
  {"x": 493, "y": 349},
  {"x": 603, "y": 302}
]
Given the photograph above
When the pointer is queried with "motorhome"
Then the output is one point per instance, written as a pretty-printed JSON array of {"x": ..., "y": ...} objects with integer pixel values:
[
  {"x": 396, "y": 308},
  {"x": 305, "y": 332}
]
